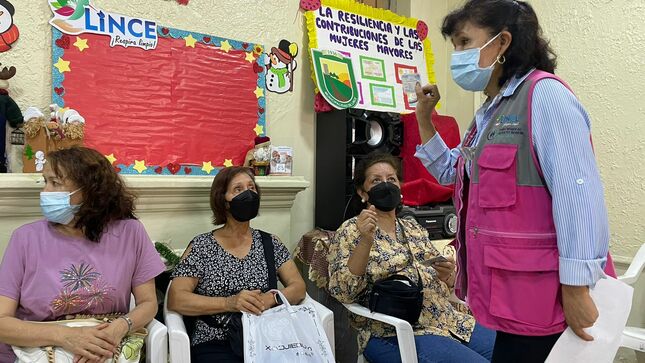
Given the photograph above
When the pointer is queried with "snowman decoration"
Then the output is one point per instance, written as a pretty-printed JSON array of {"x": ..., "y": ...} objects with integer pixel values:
[
  {"x": 280, "y": 64},
  {"x": 40, "y": 161},
  {"x": 8, "y": 30}
]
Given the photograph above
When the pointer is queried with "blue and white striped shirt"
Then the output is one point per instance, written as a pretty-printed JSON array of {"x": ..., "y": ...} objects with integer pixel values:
[{"x": 561, "y": 136}]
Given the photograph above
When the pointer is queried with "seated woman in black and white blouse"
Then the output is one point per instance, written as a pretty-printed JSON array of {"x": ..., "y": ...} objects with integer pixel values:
[{"x": 225, "y": 270}]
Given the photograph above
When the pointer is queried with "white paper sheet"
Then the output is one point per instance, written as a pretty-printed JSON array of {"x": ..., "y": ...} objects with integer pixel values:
[{"x": 613, "y": 300}]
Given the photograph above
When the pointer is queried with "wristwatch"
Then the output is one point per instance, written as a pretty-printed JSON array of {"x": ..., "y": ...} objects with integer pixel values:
[{"x": 276, "y": 297}]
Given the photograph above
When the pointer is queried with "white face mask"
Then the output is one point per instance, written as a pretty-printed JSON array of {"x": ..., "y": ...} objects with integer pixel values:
[
  {"x": 56, "y": 206},
  {"x": 465, "y": 69}
]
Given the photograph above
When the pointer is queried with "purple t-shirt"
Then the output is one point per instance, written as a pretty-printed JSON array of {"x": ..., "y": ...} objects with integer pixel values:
[{"x": 51, "y": 275}]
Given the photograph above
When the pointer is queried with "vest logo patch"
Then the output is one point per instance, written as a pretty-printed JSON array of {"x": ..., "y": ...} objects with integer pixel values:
[
  {"x": 507, "y": 120},
  {"x": 491, "y": 135}
]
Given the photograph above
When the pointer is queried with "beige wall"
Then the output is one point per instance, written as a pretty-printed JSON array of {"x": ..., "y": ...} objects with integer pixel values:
[
  {"x": 454, "y": 101},
  {"x": 600, "y": 46},
  {"x": 290, "y": 116}
]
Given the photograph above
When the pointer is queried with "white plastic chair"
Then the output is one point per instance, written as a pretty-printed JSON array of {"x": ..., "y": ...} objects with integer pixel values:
[
  {"x": 634, "y": 337},
  {"x": 156, "y": 341},
  {"x": 404, "y": 332},
  {"x": 179, "y": 342}
]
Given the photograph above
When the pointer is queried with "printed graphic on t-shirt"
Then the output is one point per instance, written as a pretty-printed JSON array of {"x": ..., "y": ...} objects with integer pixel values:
[{"x": 84, "y": 289}]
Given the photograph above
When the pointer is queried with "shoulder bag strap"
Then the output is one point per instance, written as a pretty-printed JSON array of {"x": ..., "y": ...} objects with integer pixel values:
[
  {"x": 269, "y": 256},
  {"x": 406, "y": 242}
]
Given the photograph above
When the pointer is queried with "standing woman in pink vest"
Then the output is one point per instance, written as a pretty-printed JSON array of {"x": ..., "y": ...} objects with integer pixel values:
[{"x": 533, "y": 231}]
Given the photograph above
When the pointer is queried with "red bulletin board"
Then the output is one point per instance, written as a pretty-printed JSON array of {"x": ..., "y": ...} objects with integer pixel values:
[{"x": 193, "y": 104}]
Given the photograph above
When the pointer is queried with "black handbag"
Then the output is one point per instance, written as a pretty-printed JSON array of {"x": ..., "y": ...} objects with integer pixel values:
[
  {"x": 398, "y": 295},
  {"x": 232, "y": 324}
]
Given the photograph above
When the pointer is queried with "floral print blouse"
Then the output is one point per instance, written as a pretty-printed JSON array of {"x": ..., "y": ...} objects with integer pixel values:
[{"x": 389, "y": 257}]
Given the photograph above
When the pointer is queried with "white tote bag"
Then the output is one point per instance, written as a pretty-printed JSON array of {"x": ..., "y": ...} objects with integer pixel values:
[
  {"x": 285, "y": 333},
  {"x": 130, "y": 348}
]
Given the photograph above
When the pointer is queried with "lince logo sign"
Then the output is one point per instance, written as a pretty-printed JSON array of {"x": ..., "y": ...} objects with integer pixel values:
[{"x": 81, "y": 16}]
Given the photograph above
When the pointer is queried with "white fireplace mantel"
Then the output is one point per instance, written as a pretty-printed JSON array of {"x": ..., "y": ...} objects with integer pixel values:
[{"x": 173, "y": 208}]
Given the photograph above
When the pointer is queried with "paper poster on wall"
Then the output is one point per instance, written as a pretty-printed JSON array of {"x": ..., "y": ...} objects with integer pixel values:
[
  {"x": 382, "y": 46},
  {"x": 8, "y": 30},
  {"x": 76, "y": 17},
  {"x": 191, "y": 105},
  {"x": 281, "y": 64},
  {"x": 335, "y": 78}
]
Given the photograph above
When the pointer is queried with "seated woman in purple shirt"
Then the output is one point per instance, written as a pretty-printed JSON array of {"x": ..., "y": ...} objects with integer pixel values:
[{"x": 86, "y": 257}]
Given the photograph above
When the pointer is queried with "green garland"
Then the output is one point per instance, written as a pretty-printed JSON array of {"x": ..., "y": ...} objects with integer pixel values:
[{"x": 165, "y": 252}]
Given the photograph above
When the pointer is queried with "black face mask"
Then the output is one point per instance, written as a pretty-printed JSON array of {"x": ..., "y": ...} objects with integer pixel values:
[
  {"x": 245, "y": 206},
  {"x": 385, "y": 196}
]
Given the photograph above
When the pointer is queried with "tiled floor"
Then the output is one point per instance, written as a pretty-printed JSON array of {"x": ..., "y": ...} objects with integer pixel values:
[{"x": 627, "y": 356}]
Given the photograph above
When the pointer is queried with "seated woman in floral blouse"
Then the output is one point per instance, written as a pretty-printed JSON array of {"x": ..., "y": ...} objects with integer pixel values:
[
  {"x": 371, "y": 246},
  {"x": 225, "y": 271}
]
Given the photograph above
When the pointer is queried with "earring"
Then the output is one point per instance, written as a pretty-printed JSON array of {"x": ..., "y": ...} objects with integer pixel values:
[
  {"x": 501, "y": 59},
  {"x": 362, "y": 200}
]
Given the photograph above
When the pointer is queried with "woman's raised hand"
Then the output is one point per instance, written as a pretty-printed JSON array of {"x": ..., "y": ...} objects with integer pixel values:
[{"x": 366, "y": 222}]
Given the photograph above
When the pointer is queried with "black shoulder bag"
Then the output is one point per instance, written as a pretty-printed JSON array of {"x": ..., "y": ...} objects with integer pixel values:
[
  {"x": 232, "y": 324},
  {"x": 398, "y": 295}
]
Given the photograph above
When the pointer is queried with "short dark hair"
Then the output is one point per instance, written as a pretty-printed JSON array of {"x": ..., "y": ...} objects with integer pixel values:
[
  {"x": 106, "y": 198},
  {"x": 372, "y": 159},
  {"x": 529, "y": 49},
  {"x": 219, "y": 188}
]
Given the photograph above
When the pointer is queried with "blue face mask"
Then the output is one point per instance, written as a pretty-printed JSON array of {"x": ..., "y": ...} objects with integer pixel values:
[
  {"x": 465, "y": 68},
  {"x": 56, "y": 206}
]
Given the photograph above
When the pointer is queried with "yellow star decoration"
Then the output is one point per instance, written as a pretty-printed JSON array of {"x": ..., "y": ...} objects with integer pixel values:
[
  {"x": 62, "y": 65},
  {"x": 111, "y": 158},
  {"x": 228, "y": 163},
  {"x": 259, "y": 129},
  {"x": 140, "y": 166},
  {"x": 190, "y": 41},
  {"x": 81, "y": 44},
  {"x": 250, "y": 57},
  {"x": 259, "y": 92},
  {"x": 61, "y": 111},
  {"x": 225, "y": 46},
  {"x": 207, "y": 167}
]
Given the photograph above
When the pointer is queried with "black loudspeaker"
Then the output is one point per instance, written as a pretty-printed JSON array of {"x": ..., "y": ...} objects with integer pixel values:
[
  {"x": 343, "y": 138},
  {"x": 439, "y": 220}
]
